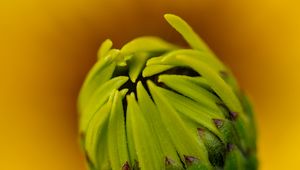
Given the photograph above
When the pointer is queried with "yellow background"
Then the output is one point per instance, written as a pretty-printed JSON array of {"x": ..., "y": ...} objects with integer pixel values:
[{"x": 47, "y": 46}]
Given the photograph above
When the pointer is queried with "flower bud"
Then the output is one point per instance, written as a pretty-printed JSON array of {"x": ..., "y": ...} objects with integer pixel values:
[{"x": 152, "y": 105}]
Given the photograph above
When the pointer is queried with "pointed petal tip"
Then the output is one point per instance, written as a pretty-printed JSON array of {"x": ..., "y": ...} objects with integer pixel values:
[
  {"x": 190, "y": 160},
  {"x": 233, "y": 115},
  {"x": 224, "y": 74},
  {"x": 126, "y": 166},
  {"x": 218, "y": 123},
  {"x": 169, "y": 161},
  {"x": 200, "y": 131},
  {"x": 230, "y": 147}
]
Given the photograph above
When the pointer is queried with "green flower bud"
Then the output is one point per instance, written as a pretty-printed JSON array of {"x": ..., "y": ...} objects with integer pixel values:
[{"x": 152, "y": 105}]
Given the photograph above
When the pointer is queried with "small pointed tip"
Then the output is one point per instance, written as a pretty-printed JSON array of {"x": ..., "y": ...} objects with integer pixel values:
[
  {"x": 126, "y": 166},
  {"x": 230, "y": 147},
  {"x": 190, "y": 160},
  {"x": 233, "y": 115},
  {"x": 224, "y": 74},
  {"x": 218, "y": 123},
  {"x": 201, "y": 131},
  {"x": 169, "y": 161},
  {"x": 81, "y": 135}
]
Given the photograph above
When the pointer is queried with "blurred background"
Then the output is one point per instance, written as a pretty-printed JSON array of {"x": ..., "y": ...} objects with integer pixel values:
[{"x": 47, "y": 47}]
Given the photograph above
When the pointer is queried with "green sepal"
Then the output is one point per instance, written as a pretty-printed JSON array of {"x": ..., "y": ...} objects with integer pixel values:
[
  {"x": 215, "y": 147},
  {"x": 193, "y": 163},
  {"x": 198, "y": 166},
  {"x": 252, "y": 162},
  {"x": 234, "y": 159},
  {"x": 249, "y": 111},
  {"x": 172, "y": 165},
  {"x": 226, "y": 127}
]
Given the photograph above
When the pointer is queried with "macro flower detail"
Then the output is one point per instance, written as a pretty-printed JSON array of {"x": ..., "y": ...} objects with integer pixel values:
[{"x": 153, "y": 105}]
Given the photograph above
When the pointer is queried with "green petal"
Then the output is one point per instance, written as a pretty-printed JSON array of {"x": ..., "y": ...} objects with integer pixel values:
[
  {"x": 118, "y": 154},
  {"x": 100, "y": 73},
  {"x": 144, "y": 144},
  {"x": 183, "y": 139},
  {"x": 155, "y": 69},
  {"x": 104, "y": 48},
  {"x": 155, "y": 60},
  {"x": 146, "y": 44},
  {"x": 136, "y": 64},
  {"x": 192, "y": 110},
  {"x": 95, "y": 135},
  {"x": 152, "y": 114},
  {"x": 223, "y": 90},
  {"x": 186, "y": 31},
  {"x": 234, "y": 159},
  {"x": 191, "y": 90},
  {"x": 207, "y": 57},
  {"x": 98, "y": 99},
  {"x": 198, "y": 80}
]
